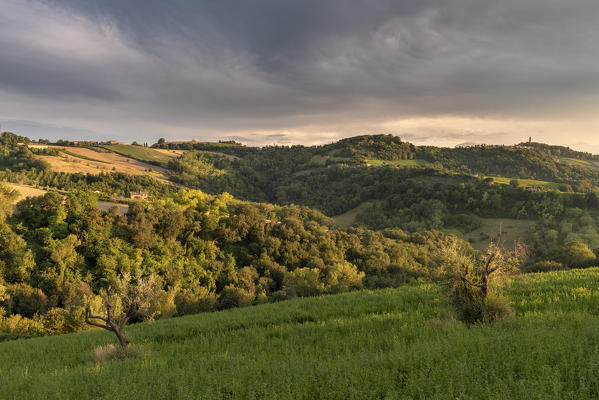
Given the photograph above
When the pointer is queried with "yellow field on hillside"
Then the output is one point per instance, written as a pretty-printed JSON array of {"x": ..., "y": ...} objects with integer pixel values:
[
  {"x": 25, "y": 191},
  {"x": 95, "y": 162},
  {"x": 169, "y": 152}
]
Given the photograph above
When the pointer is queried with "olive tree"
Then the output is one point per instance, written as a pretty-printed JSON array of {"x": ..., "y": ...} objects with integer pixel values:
[{"x": 130, "y": 297}]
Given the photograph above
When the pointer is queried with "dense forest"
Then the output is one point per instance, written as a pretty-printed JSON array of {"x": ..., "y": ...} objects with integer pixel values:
[
  {"x": 451, "y": 190},
  {"x": 254, "y": 225},
  {"x": 210, "y": 252}
]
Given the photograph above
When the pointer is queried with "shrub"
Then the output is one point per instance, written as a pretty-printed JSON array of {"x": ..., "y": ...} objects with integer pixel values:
[
  {"x": 22, "y": 327},
  {"x": 60, "y": 320},
  {"x": 234, "y": 297},
  {"x": 195, "y": 300},
  {"x": 545, "y": 266},
  {"x": 284, "y": 294},
  {"x": 103, "y": 354},
  {"x": 472, "y": 307},
  {"x": 495, "y": 307},
  {"x": 577, "y": 254},
  {"x": 25, "y": 300}
]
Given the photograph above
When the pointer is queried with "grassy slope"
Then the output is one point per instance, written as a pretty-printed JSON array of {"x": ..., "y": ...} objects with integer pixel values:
[
  {"x": 511, "y": 229},
  {"x": 140, "y": 153},
  {"x": 581, "y": 163},
  {"x": 525, "y": 182},
  {"x": 347, "y": 219},
  {"x": 367, "y": 345}
]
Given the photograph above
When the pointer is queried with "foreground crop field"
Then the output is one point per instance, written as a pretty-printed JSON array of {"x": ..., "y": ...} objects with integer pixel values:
[{"x": 394, "y": 344}]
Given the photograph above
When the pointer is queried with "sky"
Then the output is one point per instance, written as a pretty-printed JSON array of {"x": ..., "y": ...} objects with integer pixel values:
[{"x": 435, "y": 72}]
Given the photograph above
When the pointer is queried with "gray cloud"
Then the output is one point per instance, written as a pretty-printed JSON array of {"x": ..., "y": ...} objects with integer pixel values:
[
  {"x": 312, "y": 69},
  {"x": 46, "y": 131}
]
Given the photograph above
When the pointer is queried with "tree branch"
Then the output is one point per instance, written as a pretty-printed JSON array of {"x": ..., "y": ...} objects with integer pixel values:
[
  {"x": 489, "y": 261},
  {"x": 466, "y": 280},
  {"x": 470, "y": 283},
  {"x": 493, "y": 270},
  {"x": 124, "y": 322},
  {"x": 89, "y": 317}
]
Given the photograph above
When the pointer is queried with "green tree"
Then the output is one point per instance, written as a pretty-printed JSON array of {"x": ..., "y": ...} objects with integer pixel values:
[
  {"x": 305, "y": 281},
  {"x": 576, "y": 254},
  {"x": 16, "y": 260}
]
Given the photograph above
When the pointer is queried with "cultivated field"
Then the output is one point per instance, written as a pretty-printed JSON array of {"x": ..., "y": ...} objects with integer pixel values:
[
  {"x": 386, "y": 344},
  {"x": 25, "y": 191},
  {"x": 170, "y": 153},
  {"x": 84, "y": 160},
  {"x": 144, "y": 154}
]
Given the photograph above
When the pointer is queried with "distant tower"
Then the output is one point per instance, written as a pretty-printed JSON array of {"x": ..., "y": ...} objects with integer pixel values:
[{"x": 530, "y": 139}]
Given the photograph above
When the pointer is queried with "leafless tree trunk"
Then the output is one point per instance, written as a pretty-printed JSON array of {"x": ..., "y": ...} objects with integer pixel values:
[
  {"x": 485, "y": 273},
  {"x": 109, "y": 324}
]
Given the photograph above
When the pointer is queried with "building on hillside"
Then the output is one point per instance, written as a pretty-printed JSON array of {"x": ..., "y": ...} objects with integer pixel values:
[{"x": 139, "y": 196}]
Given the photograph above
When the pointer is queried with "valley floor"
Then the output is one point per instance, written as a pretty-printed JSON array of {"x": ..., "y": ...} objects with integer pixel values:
[{"x": 386, "y": 344}]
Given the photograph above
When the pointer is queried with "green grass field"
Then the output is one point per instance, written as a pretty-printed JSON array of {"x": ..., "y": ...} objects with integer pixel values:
[
  {"x": 580, "y": 163},
  {"x": 387, "y": 344},
  {"x": 528, "y": 183},
  {"x": 140, "y": 153},
  {"x": 400, "y": 163},
  {"x": 511, "y": 229}
]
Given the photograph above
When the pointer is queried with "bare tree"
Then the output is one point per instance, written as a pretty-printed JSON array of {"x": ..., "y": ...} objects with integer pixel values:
[
  {"x": 496, "y": 260},
  {"x": 470, "y": 273},
  {"x": 137, "y": 298}
]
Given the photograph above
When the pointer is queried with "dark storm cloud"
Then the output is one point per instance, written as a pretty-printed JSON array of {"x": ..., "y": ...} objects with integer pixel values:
[{"x": 222, "y": 66}]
